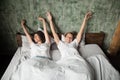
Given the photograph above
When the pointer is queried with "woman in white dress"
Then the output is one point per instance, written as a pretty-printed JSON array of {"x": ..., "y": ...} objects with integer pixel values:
[
  {"x": 39, "y": 66},
  {"x": 74, "y": 66}
]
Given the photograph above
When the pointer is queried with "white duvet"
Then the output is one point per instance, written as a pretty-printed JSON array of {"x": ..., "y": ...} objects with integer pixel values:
[
  {"x": 76, "y": 69},
  {"x": 100, "y": 63},
  {"x": 37, "y": 69},
  {"x": 45, "y": 69},
  {"x": 103, "y": 69}
]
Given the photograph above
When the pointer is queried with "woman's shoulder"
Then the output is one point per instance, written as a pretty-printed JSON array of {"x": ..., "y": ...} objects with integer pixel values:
[{"x": 45, "y": 44}]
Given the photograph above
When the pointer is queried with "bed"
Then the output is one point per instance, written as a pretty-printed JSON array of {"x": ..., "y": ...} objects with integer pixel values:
[
  {"x": 22, "y": 55},
  {"x": 90, "y": 49}
]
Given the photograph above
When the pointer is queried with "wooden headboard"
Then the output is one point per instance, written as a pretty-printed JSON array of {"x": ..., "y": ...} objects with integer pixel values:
[
  {"x": 90, "y": 38},
  {"x": 95, "y": 38}
]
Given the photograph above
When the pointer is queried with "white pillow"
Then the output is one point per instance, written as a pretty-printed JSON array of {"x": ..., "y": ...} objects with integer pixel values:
[
  {"x": 25, "y": 49},
  {"x": 90, "y": 50},
  {"x": 25, "y": 43},
  {"x": 62, "y": 37}
]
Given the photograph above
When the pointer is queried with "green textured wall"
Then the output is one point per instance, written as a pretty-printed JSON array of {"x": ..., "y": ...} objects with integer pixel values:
[{"x": 68, "y": 16}]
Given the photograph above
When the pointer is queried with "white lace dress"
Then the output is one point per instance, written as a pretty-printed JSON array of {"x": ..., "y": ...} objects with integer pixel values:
[{"x": 73, "y": 65}]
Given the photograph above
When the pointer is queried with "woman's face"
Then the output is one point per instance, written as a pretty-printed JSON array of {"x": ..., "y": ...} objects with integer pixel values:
[
  {"x": 37, "y": 39},
  {"x": 68, "y": 38}
]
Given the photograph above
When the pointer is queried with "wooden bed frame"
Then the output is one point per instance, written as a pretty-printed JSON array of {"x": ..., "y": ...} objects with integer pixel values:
[{"x": 90, "y": 38}]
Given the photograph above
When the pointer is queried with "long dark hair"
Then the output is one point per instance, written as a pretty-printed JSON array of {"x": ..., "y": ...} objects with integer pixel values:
[{"x": 41, "y": 35}]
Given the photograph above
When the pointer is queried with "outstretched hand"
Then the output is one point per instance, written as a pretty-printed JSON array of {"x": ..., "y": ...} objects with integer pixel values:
[
  {"x": 49, "y": 16},
  {"x": 41, "y": 19},
  {"x": 23, "y": 22},
  {"x": 88, "y": 15}
]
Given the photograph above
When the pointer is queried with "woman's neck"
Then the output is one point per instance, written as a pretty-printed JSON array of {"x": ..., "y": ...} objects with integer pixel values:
[{"x": 39, "y": 42}]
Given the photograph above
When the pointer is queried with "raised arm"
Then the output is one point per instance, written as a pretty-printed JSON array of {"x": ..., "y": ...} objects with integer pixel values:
[
  {"x": 45, "y": 30},
  {"x": 79, "y": 35},
  {"x": 56, "y": 38},
  {"x": 23, "y": 24}
]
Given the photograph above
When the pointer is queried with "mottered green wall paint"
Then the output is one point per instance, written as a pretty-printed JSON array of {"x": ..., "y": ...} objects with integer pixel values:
[{"x": 68, "y": 15}]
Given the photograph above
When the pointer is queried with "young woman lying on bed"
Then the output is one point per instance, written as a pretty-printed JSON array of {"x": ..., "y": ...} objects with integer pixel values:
[
  {"x": 92, "y": 53},
  {"x": 74, "y": 66},
  {"x": 38, "y": 66}
]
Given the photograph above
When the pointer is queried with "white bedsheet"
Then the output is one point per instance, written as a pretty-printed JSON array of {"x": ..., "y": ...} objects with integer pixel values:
[
  {"x": 12, "y": 64},
  {"x": 36, "y": 71},
  {"x": 96, "y": 57},
  {"x": 103, "y": 69}
]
